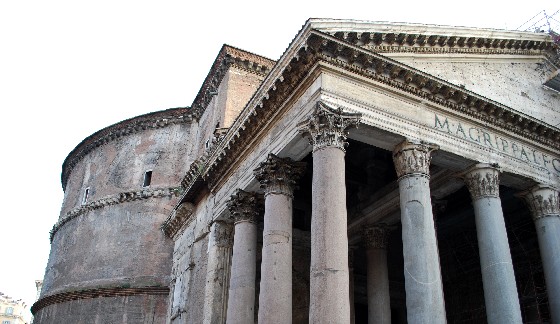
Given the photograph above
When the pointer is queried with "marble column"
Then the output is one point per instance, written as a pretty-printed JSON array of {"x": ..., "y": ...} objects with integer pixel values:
[
  {"x": 498, "y": 279},
  {"x": 379, "y": 300},
  {"x": 244, "y": 207},
  {"x": 277, "y": 177},
  {"x": 422, "y": 274},
  {"x": 544, "y": 205},
  {"x": 217, "y": 272},
  {"x": 326, "y": 129}
]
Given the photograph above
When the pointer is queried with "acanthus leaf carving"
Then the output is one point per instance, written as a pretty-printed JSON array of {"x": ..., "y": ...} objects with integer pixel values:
[
  {"x": 483, "y": 180},
  {"x": 245, "y": 206},
  {"x": 542, "y": 201},
  {"x": 413, "y": 158},
  {"x": 328, "y": 127},
  {"x": 279, "y": 175},
  {"x": 376, "y": 236}
]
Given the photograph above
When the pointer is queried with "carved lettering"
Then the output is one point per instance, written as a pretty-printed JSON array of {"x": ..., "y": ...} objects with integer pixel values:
[{"x": 488, "y": 139}]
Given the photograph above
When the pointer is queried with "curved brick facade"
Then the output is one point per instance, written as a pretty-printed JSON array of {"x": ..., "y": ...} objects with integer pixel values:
[{"x": 108, "y": 256}]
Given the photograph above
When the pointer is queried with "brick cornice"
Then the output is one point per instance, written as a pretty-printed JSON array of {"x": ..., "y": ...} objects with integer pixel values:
[
  {"x": 96, "y": 293},
  {"x": 114, "y": 200},
  {"x": 155, "y": 120}
]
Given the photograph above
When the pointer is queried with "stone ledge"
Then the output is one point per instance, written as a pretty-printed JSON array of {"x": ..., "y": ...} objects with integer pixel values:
[
  {"x": 96, "y": 293},
  {"x": 114, "y": 200}
]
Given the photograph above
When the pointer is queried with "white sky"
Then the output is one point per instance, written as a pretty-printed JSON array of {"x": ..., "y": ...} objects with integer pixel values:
[{"x": 70, "y": 68}]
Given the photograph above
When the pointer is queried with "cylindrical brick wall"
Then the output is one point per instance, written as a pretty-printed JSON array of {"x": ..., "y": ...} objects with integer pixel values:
[{"x": 109, "y": 259}]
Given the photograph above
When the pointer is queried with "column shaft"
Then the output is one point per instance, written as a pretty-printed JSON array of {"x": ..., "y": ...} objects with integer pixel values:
[
  {"x": 498, "y": 279},
  {"x": 277, "y": 176},
  {"x": 330, "y": 298},
  {"x": 217, "y": 275},
  {"x": 327, "y": 128},
  {"x": 548, "y": 232},
  {"x": 275, "y": 299},
  {"x": 543, "y": 202},
  {"x": 241, "y": 300},
  {"x": 379, "y": 300},
  {"x": 424, "y": 290}
]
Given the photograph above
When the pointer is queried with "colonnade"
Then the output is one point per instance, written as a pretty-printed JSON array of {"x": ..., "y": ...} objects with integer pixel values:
[{"x": 329, "y": 271}]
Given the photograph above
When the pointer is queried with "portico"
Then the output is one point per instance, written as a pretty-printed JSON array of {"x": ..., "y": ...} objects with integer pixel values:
[{"x": 383, "y": 145}]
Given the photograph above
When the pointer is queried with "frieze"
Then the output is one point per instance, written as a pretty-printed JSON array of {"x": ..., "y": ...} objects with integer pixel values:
[
  {"x": 542, "y": 201},
  {"x": 482, "y": 180},
  {"x": 245, "y": 206},
  {"x": 113, "y": 200},
  {"x": 328, "y": 127},
  {"x": 485, "y": 137},
  {"x": 279, "y": 175},
  {"x": 413, "y": 158},
  {"x": 159, "y": 119}
]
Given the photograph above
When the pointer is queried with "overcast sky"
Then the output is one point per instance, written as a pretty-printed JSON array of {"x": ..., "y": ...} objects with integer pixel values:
[{"x": 70, "y": 68}]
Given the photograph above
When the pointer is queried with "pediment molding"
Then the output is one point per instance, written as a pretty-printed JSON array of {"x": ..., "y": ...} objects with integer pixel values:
[{"x": 312, "y": 47}]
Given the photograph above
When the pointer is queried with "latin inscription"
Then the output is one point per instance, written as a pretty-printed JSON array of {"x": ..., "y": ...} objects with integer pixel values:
[{"x": 484, "y": 137}]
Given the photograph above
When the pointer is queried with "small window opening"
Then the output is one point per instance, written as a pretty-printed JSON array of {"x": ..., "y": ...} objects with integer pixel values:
[
  {"x": 147, "y": 178},
  {"x": 85, "y": 198}
]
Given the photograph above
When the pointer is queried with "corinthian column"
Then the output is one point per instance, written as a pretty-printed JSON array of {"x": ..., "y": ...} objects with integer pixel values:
[
  {"x": 379, "y": 300},
  {"x": 244, "y": 207},
  {"x": 543, "y": 203},
  {"x": 498, "y": 279},
  {"x": 277, "y": 177},
  {"x": 217, "y": 273},
  {"x": 326, "y": 129},
  {"x": 422, "y": 274}
]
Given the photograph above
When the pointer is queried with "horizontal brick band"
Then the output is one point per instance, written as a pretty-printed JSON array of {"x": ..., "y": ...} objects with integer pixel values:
[{"x": 95, "y": 293}]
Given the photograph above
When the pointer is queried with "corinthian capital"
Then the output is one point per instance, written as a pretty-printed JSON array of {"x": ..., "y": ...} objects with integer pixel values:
[
  {"x": 413, "y": 158},
  {"x": 222, "y": 233},
  {"x": 483, "y": 180},
  {"x": 376, "y": 236},
  {"x": 244, "y": 206},
  {"x": 279, "y": 175},
  {"x": 328, "y": 127},
  {"x": 542, "y": 200}
]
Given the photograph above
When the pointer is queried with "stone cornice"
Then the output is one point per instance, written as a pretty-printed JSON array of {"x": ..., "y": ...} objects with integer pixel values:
[
  {"x": 158, "y": 119},
  {"x": 227, "y": 57},
  {"x": 448, "y": 42},
  {"x": 96, "y": 293},
  {"x": 180, "y": 216},
  {"x": 313, "y": 47},
  {"x": 113, "y": 200}
]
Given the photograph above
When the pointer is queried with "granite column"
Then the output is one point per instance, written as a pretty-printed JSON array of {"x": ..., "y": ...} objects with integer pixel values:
[
  {"x": 544, "y": 205},
  {"x": 277, "y": 177},
  {"x": 498, "y": 279},
  {"x": 326, "y": 129},
  {"x": 379, "y": 300},
  {"x": 424, "y": 289},
  {"x": 217, "y": 273},
  {"x": 244, "y": 207}
]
